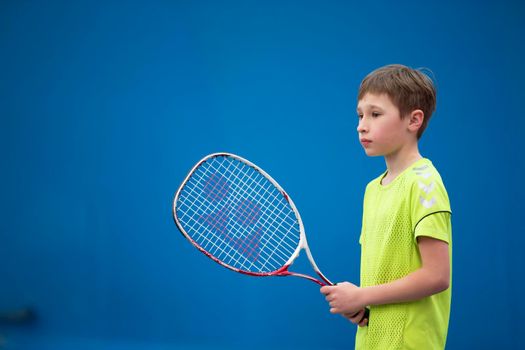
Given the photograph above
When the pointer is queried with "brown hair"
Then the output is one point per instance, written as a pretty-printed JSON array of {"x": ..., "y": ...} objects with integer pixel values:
[{"x": 408, "y": 88}]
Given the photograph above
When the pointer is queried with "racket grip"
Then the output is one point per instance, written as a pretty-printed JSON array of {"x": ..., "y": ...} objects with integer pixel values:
[{"x": 366, "y": 315}]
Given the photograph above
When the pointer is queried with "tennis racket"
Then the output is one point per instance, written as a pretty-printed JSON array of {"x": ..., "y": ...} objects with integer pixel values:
[{"x": 239, "y": 216}]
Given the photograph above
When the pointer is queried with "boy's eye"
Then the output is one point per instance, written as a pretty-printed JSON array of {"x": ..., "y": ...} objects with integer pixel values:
[
  {"x": 360, "y": 116},
  {"x": 375, "y": 114}
]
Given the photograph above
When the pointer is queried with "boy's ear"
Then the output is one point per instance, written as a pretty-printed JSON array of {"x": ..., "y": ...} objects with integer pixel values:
[{"x": 415, "y": 121}]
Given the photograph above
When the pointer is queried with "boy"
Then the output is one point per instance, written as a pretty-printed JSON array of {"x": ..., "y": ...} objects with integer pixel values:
[{"x": 406, "y": 230}]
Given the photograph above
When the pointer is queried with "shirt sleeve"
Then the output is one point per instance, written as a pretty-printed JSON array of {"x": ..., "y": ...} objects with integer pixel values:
[
  {"x": 436, "y": 225},
  {"x": 428, "y": 197}
]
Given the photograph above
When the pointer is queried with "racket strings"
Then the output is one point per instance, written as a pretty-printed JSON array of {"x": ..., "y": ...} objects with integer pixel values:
[
  {"x": 227, "y": 204},
  {"x": 223, "y": 250},
  {"x": 218, "y": 221},
  {"x": 220, "y": 213},
  {"x": 237, "y": 215}
]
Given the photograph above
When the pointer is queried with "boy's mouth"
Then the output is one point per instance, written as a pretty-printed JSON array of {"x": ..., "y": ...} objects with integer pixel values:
[{"x": 365, "y": 142}]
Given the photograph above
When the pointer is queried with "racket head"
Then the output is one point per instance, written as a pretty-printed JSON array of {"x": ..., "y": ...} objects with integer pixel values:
[{"x": 239, "y": 216}]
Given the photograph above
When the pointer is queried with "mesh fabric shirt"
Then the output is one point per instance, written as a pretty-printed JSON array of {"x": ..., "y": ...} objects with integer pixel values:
[{"x": 414, "y": 204}]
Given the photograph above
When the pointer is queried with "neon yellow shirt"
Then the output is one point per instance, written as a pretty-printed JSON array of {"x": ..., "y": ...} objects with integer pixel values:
[{"x": 414, "y": 204}]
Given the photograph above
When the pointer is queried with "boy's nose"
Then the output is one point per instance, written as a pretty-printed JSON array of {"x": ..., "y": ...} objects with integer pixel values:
[{"x": 361, "y": 127}]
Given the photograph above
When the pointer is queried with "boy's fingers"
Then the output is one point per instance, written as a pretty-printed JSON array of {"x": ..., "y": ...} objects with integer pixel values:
[
  {"x": 355, "y": 314},
  {"x": 355, "y": 317},
  {"x": 326, "y": 289},
  {"x": 364, "y": 322},
  {"x": 334, "y": 310}
]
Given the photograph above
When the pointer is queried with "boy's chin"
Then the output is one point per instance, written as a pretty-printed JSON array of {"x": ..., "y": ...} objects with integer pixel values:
[{"x": 371, "y": 153}]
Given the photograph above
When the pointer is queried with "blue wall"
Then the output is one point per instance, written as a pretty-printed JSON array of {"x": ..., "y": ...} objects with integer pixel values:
[{"x": 104, "y": 107}]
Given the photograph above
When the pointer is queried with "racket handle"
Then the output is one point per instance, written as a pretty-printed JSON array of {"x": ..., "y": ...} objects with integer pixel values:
[{"x": 366, "y": 315}]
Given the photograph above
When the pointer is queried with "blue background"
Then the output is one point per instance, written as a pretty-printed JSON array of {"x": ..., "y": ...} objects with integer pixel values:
[{"x": 105, "y": 106}]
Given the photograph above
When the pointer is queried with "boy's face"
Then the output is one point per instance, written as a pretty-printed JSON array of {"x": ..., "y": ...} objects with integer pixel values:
[{"x": 381, "y": 130}]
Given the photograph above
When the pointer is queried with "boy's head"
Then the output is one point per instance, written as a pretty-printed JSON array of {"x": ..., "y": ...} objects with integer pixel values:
[{"x": 409, "y": 89}]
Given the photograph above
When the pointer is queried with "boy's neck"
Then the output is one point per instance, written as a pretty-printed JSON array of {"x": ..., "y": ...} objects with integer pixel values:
[{"x": 397, "y": 162}]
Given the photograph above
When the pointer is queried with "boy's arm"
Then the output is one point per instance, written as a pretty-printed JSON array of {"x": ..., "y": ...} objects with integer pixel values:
[{"x": 431, "y": 278}]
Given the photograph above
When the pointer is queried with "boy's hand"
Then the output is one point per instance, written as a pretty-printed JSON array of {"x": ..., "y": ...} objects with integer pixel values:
[
  {"x": 344, "y": 298},
  {"x": 358, "y": 318}
]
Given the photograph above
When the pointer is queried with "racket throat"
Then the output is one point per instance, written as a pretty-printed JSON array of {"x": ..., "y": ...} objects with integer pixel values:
[{"x": 283, "y": 272}]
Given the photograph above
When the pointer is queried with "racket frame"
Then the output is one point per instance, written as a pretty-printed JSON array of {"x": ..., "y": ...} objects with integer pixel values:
[{"x": 302, "y": 245}]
